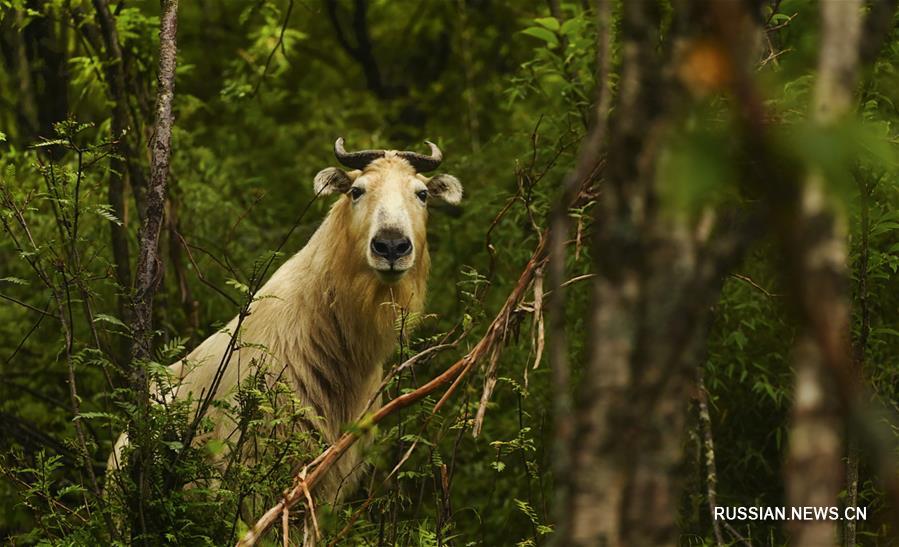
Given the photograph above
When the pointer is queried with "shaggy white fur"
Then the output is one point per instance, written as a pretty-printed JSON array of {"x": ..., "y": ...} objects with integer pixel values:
[{"x": 325, "y": 320}]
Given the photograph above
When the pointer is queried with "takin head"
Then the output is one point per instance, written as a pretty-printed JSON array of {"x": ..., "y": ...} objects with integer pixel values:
[{"x": 388, "y": 199}]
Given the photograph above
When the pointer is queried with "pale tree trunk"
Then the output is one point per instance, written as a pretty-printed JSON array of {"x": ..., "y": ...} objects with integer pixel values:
[{"x": 814, "y": 467}]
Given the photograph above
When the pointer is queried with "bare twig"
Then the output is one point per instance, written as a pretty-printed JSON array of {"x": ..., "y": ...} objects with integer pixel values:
[
  {"x": 26, "y": 305},
  {"x": 748, "y": 280},
  {"x": 149, "y": 263}
]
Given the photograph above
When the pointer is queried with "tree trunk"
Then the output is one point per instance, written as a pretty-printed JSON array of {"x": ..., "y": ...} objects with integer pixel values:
[
  {"x": 125, "y": 164},
  {"x": 814, "y": 466},
  {"x": 48, "y": 61},
  {"x": 149, "y": 261},
  {"x": 149, "y": 266}
]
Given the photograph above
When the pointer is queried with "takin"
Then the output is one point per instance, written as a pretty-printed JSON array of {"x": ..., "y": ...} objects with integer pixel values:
[{"x": 325, "y": 321}]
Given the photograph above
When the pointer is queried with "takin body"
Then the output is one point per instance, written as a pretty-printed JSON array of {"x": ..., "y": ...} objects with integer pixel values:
[{"x": 324, "y": 323}]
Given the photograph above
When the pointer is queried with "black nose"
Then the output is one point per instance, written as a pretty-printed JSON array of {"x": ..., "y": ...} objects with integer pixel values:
[{"x": 391, "y": 248}]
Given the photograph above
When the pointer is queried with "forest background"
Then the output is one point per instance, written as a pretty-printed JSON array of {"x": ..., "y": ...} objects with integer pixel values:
[{"x": 677, "y": 146}]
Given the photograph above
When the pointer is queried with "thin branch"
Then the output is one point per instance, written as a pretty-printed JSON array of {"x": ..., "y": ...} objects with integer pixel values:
[
  {"x": 708, "y": 451},
  {"x": 278, "y": 45},
  {"x": 26, "y": 305},
  {"x": 748, "y": 280}
]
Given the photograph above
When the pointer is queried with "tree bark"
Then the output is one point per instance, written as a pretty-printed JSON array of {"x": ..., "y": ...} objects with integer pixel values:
[
  {"x": 149, "y": 262},
  {"x": 48, "y": 62},
  {"x": 814, "y": 466},
  {"x": 149, "y": 265},
  {"x": 125, "y": 165},
  {"x": 28, "y": 110}
]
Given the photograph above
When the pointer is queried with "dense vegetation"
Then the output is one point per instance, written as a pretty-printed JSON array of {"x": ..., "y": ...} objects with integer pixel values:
[{"x": 507, "y": 89}]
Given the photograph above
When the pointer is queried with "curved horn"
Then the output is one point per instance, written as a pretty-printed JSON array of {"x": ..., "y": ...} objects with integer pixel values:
[
  {"x": 423, "y": 163},
  {"x": 356, "y": 160}
]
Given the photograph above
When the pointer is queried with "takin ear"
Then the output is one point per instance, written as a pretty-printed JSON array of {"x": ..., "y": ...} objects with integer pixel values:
[
  {"x": 332, "y": 179},
  {"x": 445, "y": 187}
]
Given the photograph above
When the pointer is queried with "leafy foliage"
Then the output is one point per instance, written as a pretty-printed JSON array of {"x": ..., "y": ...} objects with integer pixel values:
[{"x": 263, "y": 89}]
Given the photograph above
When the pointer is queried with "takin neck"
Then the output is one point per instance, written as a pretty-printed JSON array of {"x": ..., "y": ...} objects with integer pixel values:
[{"x": 344, "y": 313}]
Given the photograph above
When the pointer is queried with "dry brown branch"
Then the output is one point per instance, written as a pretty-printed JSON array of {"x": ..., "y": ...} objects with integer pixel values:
[
  {"x": 779, "y": 26},
  {"x": 539, "y": 335}
]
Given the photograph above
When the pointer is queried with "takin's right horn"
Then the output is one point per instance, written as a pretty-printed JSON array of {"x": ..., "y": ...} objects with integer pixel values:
[
  {"x": 422, "y": 163},
  {"x": 356, "y": 160}
]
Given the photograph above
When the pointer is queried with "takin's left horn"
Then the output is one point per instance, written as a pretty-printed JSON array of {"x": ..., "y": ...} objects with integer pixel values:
[
  {"x": 356, "y": 160},
  {"x": 422, "y": 163}
]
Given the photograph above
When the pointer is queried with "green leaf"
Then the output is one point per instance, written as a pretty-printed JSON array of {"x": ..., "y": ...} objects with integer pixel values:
[
  {"x": 106, "y": 212},
  {"x": 71, "y": 489},
  {"x": 569, "y": 27},
  {"x": 174, "y": 445},
  {"x": 96, "y": 416},
  {"x": 542, "y": 34},
  {"x": 549, "y": 22},
  {"x": 779, "y": 18},
  {"x": 109, "y": 319},
  {"x": 50, "y": 142},
  {"x": 243, "y": 288},
  {"x": 884, "y": 330},
  {"x": 215, "y": 447},
  {"x": 526, "y": 508}
]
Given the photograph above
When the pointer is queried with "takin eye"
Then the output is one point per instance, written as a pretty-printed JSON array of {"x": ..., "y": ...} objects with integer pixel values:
[
  {"x": 356, "y": 192},
  {"x": 422, "y": 195}
]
